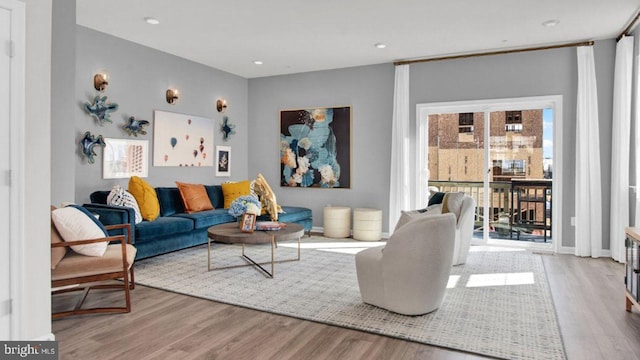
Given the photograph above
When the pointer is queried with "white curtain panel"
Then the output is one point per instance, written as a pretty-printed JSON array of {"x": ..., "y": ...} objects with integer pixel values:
[
  {"x": 400, "y": 188},
  {"x": 620, "y": 146},
  {"x": 588, "y": 229}
]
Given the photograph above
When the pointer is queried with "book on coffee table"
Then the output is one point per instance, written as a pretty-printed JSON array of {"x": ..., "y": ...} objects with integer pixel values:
[{"x": 270, "y": 225}]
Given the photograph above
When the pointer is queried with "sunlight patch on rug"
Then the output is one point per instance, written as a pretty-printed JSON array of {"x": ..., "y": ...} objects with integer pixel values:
[
  {"x": 509, "y": 314},
  {"x": 477, "y": 280}
]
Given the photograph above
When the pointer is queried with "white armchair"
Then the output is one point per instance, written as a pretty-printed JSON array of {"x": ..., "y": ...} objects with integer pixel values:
[
  {"x": 409, "y": 274},
  {"x": 464, "y": 230},
  {"x": 464, "y": 210}
]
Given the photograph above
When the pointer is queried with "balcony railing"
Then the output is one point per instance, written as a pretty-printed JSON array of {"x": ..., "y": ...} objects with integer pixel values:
[{"x": 518, "y": 209}]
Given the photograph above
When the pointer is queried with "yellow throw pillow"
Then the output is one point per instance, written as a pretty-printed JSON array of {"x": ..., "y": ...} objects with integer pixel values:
[
  {"x": 194, "y": 197},
  {"x": 146, "y": 197},
  {"x": 233, "y": 190}
]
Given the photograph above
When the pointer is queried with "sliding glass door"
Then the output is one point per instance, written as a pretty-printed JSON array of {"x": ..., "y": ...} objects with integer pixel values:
[{"x": 500, "y": 153}]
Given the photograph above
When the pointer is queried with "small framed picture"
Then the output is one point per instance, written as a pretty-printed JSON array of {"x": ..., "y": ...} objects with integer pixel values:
[
  {"x": 248, "y": 223},
  {"x": 223, "y": 158}
]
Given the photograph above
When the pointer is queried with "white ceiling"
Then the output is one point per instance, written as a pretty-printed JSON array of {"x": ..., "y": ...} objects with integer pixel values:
[{"x": 292, "y": 36}]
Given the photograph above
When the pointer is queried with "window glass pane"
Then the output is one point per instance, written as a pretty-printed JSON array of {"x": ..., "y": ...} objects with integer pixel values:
[{"x": 520, "y": 150}]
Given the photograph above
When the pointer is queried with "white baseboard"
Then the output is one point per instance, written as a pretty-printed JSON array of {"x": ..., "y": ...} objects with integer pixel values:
[
  {"x": 320, "y": 230},
  {"x": 47, "y": 337},
  {"x": 566, "y": 250},
  {"x": 572, "y": 250}
]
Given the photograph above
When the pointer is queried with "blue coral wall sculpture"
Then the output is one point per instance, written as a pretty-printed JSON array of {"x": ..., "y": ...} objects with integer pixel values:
[
  {"x": 100, "y": 109},
  {"x": 87, "y": 144},
  {"x": 135, "y": 127},
  {"x": 227, "y": 128}
]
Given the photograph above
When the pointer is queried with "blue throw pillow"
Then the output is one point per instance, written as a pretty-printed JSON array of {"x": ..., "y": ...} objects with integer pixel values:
[{"x": 436, "y": 198}]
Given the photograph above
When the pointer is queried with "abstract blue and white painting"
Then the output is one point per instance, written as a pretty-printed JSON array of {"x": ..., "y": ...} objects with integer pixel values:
[{"x": 315, "y": 147}]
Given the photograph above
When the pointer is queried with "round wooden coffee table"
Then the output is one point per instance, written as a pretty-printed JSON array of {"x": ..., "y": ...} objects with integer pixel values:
[{"x": 230, "y": 233}]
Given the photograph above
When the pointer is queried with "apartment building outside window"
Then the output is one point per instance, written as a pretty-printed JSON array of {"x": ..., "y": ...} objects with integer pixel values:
[
  {"x": 465, "y": 123},
  {"x": 513, "y": 121}
]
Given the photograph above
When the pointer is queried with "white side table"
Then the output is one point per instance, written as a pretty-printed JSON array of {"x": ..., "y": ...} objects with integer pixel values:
[
  {"x": 367, "y": 224},
  {"x": 337, "y": 221}
]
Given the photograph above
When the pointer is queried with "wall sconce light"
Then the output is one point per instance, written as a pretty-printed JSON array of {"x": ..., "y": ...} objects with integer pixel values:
[
  {"x": 221, "y": 105},
  {"x": 172, "y": 96},
  {"x": 100, "y": 81}
]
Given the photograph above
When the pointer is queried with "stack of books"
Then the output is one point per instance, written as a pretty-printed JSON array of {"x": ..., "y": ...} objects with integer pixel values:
[{"x": 270, "y": 225}]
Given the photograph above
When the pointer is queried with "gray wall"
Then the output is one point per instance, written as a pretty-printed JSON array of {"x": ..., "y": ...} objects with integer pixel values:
[
  {"x": 63, "y": 65},
  {"x": 369, "y": 91},
  {"x": 138, "y": 79},
  {"x": 551, "y": 72},
  {"x": 605, "y": 58}
]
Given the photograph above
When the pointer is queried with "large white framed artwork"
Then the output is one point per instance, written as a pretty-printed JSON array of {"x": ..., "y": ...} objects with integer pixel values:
[
  {"x": 182, "y": 140},
  {"x": 123, "y": 158}
]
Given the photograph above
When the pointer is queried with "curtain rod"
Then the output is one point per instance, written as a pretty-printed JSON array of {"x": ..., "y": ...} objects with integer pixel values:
[
  {"x": 627, "y": 30},
  {"x": 501, "y": 52}
]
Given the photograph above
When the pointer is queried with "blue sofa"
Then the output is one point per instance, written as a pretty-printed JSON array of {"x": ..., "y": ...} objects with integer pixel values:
[{"x": 174, "y": 229}]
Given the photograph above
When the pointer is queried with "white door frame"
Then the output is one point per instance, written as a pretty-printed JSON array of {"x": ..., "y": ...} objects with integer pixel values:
[
  {"x": 17, "y": 49},
  {"x": 487, "y": 106}
]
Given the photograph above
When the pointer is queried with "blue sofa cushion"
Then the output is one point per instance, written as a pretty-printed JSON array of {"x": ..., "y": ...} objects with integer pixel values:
[
  {"x": 215, "y": 195},
  {"x": 148, "y": 230},
  {"x": 113, "y": 214},
  {"x": 291, "y": 214},
  {"x": 204, "y": 219},
  {"x": 99, "y": 197},
  {"x": 170, "y": 201}
]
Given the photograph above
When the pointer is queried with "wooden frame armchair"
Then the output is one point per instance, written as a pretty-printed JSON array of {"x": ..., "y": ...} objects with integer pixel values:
[{"x": 74, "y": 270}]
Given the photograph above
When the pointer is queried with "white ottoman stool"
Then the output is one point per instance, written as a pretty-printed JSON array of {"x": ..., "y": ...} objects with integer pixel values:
[
  {"x": 337, "y": 221},
  {"x": 367, "y": 224}
]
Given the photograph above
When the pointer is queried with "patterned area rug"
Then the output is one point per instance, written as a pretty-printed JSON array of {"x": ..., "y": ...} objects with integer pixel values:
[{"x": 498, "y": 304}]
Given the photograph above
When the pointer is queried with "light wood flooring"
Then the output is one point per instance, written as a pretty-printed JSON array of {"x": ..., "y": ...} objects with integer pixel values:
[{"x": 588, "y": 295}]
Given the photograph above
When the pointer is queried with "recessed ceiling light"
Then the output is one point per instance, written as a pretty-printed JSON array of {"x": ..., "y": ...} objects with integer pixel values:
[
  {"x": 151, "y": 20},
  {"x": 258, "y": 62},
  {"x": 551, "y": 23},
  {"x": 380, "y": 45}
]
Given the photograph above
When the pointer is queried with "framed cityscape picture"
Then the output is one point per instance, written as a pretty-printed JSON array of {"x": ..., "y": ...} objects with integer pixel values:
[
  {"x": 123, "y": 158},
  {"x": 223, "y": 160},
  {"x": 315, "y": 147}
]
